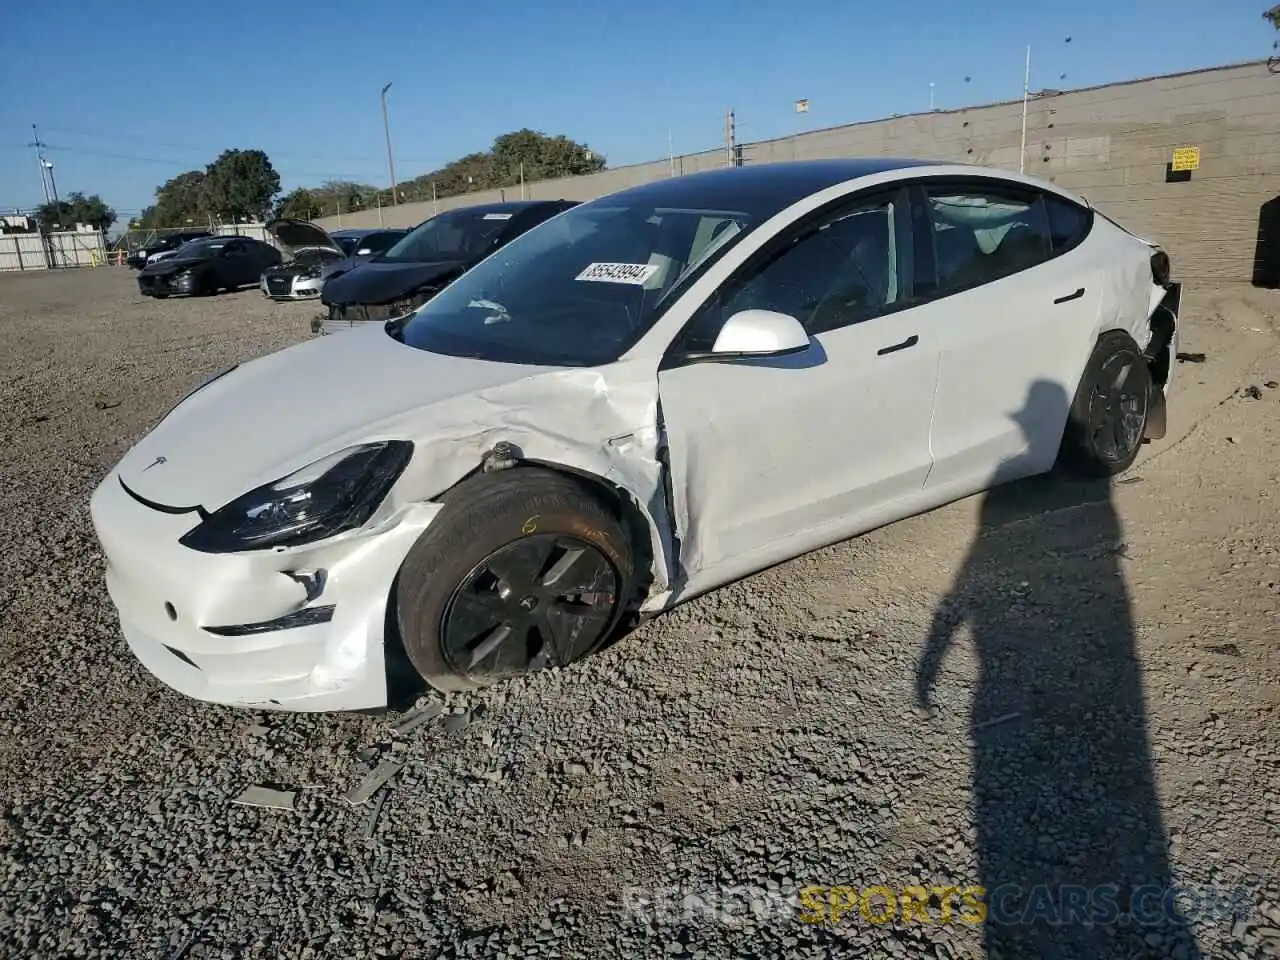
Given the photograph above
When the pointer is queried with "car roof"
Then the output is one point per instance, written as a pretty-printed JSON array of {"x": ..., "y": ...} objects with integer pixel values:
[{"x": 768, "y": 184}]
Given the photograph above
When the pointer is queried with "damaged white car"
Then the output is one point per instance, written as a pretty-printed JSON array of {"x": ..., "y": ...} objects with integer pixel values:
[{"x": 648, "y": 396}]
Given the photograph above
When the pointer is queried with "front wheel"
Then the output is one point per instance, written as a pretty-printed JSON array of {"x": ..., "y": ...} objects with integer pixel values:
[
  {"x": 523, "y": 570},
  {"x": 1108, "y": 416}
]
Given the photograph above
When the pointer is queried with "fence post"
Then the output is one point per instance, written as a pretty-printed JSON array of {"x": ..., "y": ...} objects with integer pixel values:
[{"x": 17, "y": 249}]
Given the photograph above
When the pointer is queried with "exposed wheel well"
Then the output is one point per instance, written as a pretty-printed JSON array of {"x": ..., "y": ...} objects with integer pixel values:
[
  {"x": 618, "y": 501},
  {"x": 1158, "y": 350}
]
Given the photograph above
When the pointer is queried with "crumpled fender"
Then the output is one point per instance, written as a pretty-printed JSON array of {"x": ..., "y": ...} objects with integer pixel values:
[{"x": 599, "y": 422}]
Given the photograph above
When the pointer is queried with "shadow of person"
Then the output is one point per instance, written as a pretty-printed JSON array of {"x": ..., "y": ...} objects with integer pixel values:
[{"x": 1070, "y": 837}]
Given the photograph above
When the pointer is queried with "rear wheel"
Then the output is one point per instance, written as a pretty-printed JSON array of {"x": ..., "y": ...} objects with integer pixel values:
[
  {"x": 1108, "y": 416},
  {"x": 524, "y": 569}
]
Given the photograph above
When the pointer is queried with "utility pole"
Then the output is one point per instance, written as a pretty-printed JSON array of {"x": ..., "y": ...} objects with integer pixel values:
[
  {"x": 44, "y": 184},
  {"x": 730, "y": 141},
  {"x": 391, "y": 164}
]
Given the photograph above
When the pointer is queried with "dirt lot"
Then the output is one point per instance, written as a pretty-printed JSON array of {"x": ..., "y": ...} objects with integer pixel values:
[{"x": 1104, "y": 668}]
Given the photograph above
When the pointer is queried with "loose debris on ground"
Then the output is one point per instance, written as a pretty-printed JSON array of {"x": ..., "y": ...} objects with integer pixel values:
[{"x": 1094, "y": 709}]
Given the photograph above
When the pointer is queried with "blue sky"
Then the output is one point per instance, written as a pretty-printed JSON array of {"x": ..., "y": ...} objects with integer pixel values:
[{"x": 128, "y": 96}]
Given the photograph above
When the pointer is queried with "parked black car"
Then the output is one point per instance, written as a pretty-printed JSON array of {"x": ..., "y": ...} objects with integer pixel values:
[
  {"x": 138, "y": 258},
  {"x": 207, "y": 266},
  {"x": 426, "y": 260}
]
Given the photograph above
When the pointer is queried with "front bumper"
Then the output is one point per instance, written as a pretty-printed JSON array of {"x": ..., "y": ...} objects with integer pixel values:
[
  {"x": 168, "y": 597},
  {"x": 165, "y": 284},
  {"x": 291, "y": 287}
]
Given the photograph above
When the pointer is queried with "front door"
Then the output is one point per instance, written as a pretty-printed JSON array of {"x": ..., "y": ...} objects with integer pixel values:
[{"x": 766, "y": 454}]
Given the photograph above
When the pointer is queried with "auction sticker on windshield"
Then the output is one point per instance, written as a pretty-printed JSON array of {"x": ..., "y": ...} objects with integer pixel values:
[
  {"x": 496, "y": 216},
  {"x": 633, "y": 273}
]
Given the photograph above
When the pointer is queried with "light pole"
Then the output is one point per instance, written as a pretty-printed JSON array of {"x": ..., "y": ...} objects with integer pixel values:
[
  {"x": 1026, "y": 91},
  {"x": 53, "y": 187},
  {"x": 391, "y": 164}
]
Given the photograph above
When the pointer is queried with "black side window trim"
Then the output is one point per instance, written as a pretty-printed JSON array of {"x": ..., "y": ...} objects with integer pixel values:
[
  {"x": 925, "y": 247},
  {"x": 673, "y": 356}
]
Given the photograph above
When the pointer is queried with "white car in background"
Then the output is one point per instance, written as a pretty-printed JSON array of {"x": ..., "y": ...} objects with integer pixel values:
[
  {"x": 648, "y": 396},
  {"x": 313, "y": 255}
]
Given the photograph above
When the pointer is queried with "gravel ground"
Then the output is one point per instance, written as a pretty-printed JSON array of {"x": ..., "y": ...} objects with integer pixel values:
[{"x": 1053, "y": 684}]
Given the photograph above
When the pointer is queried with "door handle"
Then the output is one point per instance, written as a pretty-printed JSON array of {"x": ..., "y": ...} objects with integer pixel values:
[
  {"x": 911, "y": 341},
  {"x": 1070, "y": 296}
]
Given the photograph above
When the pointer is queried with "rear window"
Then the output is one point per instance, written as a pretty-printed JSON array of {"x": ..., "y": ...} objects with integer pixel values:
[{"x": 1068, "y": 222}]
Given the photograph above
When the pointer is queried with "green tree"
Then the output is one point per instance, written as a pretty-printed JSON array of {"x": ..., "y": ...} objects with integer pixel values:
[
  {"x": 76, "y": 209},
  {"x": 544, "y": 158},
  {"x": 240, "y": 185},
  {"x": 299, "y": 204},
  {"x": 179, "y": 201},
  {"x": 1273, "y": 15},
  {"x": 343, "y": 196}
]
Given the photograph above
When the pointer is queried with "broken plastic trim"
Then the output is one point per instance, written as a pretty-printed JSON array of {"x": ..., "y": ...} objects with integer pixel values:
[
  {"x": 306, "y": 617},
  {"x": 164, "y": 508}
]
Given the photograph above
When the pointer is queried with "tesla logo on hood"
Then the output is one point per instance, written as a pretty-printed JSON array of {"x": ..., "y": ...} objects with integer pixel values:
[{"x": 154, "y": 463}]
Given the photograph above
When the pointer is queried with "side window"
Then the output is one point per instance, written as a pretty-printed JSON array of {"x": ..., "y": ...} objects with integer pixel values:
[
  {"x": 379, "y": 242},
  {"x": 982, "y": 235},
  {"x": 842, "y": 269},
  {"x": 1068, "y": 222}
]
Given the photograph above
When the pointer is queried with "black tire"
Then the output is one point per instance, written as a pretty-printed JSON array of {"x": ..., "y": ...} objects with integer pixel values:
[
  {"x": 473, "y": 563},
  {"x": 158, "y": 296},
  {"x": 1108, "y": 417}
]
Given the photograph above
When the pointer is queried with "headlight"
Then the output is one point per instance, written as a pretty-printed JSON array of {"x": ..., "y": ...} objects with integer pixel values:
[{"x": 333, "y": 495}]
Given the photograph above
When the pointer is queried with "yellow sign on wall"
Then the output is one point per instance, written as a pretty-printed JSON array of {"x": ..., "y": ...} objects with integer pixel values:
[{"x": 1186, "y": 158}]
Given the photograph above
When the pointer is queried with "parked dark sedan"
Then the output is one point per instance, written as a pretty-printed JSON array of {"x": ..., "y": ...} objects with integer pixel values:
[
  {"x": 425, "y": 261},
  {"x": 207, "y": 266},
  {"x": 138, "y": 258}
]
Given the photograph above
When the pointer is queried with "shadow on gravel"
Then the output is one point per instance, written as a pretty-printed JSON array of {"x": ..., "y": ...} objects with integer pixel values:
[{"x": 1070, "y": 837}]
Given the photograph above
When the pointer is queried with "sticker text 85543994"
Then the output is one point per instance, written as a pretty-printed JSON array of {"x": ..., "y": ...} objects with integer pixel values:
[{"x": 633, "y": 273}]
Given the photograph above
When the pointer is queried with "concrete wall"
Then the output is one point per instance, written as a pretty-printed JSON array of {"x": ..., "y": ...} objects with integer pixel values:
[
  {"x": 1110, "y": 143},
  {"x": 34, "y": 251}
]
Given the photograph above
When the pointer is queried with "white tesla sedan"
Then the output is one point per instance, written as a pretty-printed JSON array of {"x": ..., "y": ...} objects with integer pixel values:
[{"x": 649, "y": 396}]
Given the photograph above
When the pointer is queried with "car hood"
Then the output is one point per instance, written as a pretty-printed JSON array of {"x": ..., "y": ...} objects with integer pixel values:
[
  {"x": 378, "y": 281},
  {"x": 278, "y": 413},
  {"x": 294, "y": 235},
  {"x": 168, "y": 265}
]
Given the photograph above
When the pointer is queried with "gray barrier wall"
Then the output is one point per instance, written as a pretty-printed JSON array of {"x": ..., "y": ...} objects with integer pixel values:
[{"x": 1112, "y": 143}]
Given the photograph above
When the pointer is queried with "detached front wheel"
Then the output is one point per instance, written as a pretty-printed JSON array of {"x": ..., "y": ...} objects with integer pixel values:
[{"x": 523, "y": 570}]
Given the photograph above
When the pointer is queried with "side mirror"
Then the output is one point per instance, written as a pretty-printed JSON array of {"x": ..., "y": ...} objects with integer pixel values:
[
  {"x": 363, "y": 250},
  {"x": 759, "y": 333}
]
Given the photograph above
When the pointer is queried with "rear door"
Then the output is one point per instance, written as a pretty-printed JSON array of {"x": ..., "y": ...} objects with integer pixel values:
[{"x": 1014, "y": 308}]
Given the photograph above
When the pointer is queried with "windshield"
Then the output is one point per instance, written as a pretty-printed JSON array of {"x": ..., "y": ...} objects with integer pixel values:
[
  {"x": 202, "y": 249},
  {"x": 457, "y": 235},
  {"x": 578, "y": 290},
  {"x": 316, "y": 255}
]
